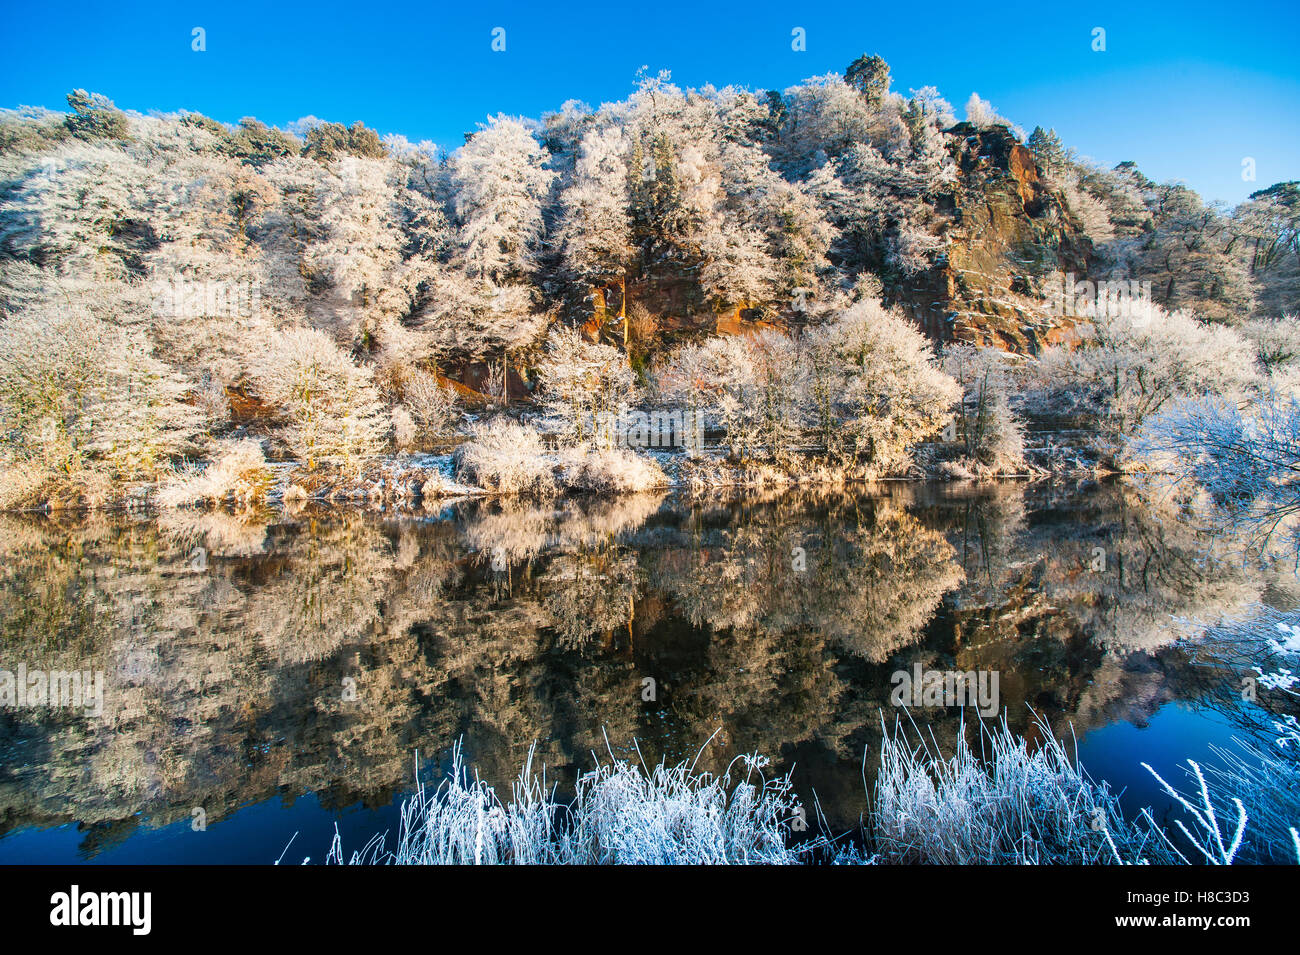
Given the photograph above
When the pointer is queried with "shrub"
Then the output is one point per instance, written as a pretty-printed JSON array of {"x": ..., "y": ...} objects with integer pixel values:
[
  {"x": 609, "y": 470},
  {"x": 1132, "y": 365},
  {"x": 993, "y": 438},
  {"x": 86, "y": 406},
  {"x": 882, "y": 384},
  {"x": 432, "y": 404},
  {"x": 237, "y": 472},
  {"x": 334, "y": 414},
  {"x": 865, "y": 386},
  {"x": 506, "y": 457},
  {"x": 404, "y": 430},
  {"x": 584, "y": 386}
]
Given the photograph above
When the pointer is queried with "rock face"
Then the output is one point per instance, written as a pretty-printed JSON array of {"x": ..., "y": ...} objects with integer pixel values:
[{"x": 1007, "y": 232}]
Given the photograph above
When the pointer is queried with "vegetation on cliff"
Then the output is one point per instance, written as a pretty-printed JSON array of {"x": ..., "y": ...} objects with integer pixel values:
[{"x": 766, "y": 265}]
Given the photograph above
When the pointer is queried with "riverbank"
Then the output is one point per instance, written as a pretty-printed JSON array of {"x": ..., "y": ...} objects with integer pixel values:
[
  {"x": 1013, "y": 803},
  {"x": 435, "y": 478}
]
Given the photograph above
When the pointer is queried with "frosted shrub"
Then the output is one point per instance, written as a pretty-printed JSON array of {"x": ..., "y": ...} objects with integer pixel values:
[
  {"x": 506, "y": 457},
  {"x": 584, "y": 386},
  {"x": 865, "y": 386},
  {"x": 238, "y": 472},
  {"x": 1132, "y": 366},
  {"x": 404, "y": 430},
  {"x": 1000, "y": 445},
  {"x": 334, "y": 415},
  {"x": 609, "y": 470},
  {"x": 1276, "y": 341},
  {"x": 433, "y": 405},
  {"x": 883, "y": 385},
  {"x": 717, "y": 376},
  {"x": 86, "y": 406}
]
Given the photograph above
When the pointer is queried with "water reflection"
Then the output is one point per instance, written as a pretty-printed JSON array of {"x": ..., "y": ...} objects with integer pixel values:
[{"x": 255, "y": 656}]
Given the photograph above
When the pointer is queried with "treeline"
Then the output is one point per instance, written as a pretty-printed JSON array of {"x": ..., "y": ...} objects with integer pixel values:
[{"x": 171, "y": 286}]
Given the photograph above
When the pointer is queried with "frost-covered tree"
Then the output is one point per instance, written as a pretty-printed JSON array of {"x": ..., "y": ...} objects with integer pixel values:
[
  {"x": 500, "y": 181},
  {"x": 778, "y": 396},
  {"x": 360, "y": 244},
  {"x": 866, "y": 386},
  {"x": 1277, "y": 346},
  {"x": 750, "y": 386},
  {"x": 473, "y": 319},
  {"x": 716, "y": 377},
  {"x": 673, "y": 189},
  {"x": 333, "y": 413},
  {"x": 595, "y": 229},
  {"x": 764, "y": 238},
  {"x": 1191, "y": 256},
  {"x": 87, "y": 409},
  {"x": 883, "y": 211},
  {"x": 1135, "y": 363},
  {"x": 1090, "y": 211},
  {"x": 738, "y": 270},
  {"x": 77, "y": 212},
  {"x": 1269, "y": 226},
  {"x": 585, "y": 387},
  {"x": 327, "y": 142},
  {"x": 869, "y": 75},
  {"x": 1245, "y": 460},
  {"x": 892, "y": 393},
  {"x": 992, "y": 436},
  {"x": 95, "y": 117},
  {"x": 980, "y": 112},
  {"x": 824, "y": 116}
]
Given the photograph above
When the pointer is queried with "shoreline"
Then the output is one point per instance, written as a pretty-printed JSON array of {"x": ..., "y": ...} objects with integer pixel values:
[{"x": 403, "y": 481}]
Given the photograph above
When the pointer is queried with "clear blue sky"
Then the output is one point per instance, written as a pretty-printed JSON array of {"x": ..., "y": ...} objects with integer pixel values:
[{"x": 1186, "y": 91}]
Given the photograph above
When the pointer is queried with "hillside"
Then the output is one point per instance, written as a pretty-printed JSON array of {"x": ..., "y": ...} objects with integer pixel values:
[{"x": 168, "y": 282}]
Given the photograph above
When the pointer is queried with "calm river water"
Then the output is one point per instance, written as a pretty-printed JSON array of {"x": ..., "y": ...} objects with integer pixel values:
[{"x": 271, "y": 675}]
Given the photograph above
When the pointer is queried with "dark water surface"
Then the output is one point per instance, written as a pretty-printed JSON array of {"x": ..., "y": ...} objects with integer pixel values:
[{"x": 277, "y": 675}]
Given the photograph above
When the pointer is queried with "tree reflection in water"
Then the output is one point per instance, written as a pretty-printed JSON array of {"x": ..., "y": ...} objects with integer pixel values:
[{"x": 231, "y": 643}]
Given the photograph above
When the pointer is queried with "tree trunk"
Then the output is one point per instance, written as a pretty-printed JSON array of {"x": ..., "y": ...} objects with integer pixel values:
[{"x": 622, "y": 306}]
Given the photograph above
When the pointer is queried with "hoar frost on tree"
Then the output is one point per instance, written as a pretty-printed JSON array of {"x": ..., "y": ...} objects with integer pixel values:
[
  {"x": 212, "y": 265},
  {"x": 333, "y": 412},
  {"x": 500, "y": 182}
]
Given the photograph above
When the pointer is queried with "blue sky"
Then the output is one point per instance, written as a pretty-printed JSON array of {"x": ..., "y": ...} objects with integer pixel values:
[{"x": 1187, "y": 91}]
